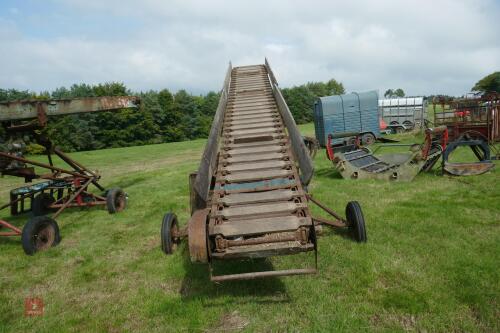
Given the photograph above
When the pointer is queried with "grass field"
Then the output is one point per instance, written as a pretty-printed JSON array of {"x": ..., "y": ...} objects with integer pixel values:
[{"x": 431, "y": 262}]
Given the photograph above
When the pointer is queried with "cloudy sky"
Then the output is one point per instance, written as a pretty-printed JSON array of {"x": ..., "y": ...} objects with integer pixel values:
[{"x": 424, "y": 47}]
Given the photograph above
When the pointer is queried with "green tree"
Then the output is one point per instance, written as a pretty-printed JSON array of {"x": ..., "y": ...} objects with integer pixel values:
[
  {"x": 489, "y": 83},
  {"x": 334, "y": 88},
  {"x": 13, "y": 94},
  {"x": 163, "y": 116},
  {"x": 390, "y": 93},
  {"x": 399, "y": 92}
]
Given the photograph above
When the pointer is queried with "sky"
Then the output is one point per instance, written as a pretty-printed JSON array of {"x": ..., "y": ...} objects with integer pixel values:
[{"x": 424, "y": 47}]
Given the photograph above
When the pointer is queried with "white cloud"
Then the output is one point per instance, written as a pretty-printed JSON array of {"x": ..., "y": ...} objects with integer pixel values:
[{"x": 424, "y": 47}]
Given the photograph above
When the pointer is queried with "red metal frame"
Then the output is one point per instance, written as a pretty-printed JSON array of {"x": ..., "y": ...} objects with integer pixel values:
[
  {"x": 15, "y": 231},
  {"x": 480, "y": 114}
]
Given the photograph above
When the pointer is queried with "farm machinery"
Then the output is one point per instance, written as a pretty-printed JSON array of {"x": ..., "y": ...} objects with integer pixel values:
[
  {"x": 474, "y": 123},
  {"x": 57, "y": 188},
  {"x": 249, "y": 197},
  {"x": 467, "y": 122},
  {"x": 355, "y": 161}
]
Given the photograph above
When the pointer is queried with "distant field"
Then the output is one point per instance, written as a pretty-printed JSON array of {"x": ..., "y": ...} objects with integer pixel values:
[{"x": 431, "y": 262}]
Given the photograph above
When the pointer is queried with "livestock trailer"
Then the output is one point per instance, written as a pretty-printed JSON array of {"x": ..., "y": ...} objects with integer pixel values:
[
  {"x": 354, "y": 112},
  {"x": 403, "y": 113}
]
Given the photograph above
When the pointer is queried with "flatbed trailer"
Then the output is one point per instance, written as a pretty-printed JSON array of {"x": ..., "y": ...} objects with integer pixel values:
[{"x": 249, "y": 197}]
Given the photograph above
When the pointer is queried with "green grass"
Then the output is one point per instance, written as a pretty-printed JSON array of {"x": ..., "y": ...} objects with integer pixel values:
[{"x": 430, "y": 264}]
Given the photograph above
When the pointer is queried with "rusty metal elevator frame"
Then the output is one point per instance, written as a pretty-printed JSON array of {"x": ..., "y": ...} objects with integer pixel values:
[{"x": 249, "y": 197}]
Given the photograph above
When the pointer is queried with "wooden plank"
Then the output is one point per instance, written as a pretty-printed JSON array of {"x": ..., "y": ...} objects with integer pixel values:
[
  {"x": 273, "y": 208},
  {"x": 251, "y": 105},
  {"x": 243, "y": 119},
  {"x": 256, "y": 197},
  {"x": 271, "y": 129},
  {"x": 254, "y": 150},
  {"x": 237, "y": 102},
  {"x": 237, "y": 111},
  {"x": 257, "y": 166},
  {"x": 209, "y": 158},
  {"x": 256, "y": 79},
  {"x": 247, "y": 176},
  {"x": 298, "y": 146},
  {"x": 244, "y": 98},
  {"x": 251, "y": 126},
  {"x": 253, "y": 85},
  {"x": 255, "y": 120},
  {"x": 270, "y": 72},
  {"x": 254, "y": 138},
  {"x": 264, "y": 251},
  {"x": 229, "y": 146},
  {"x": 255, "y": 157},
  {"x": 259, "y": 226},
  {"x": 251, "y": 91}
]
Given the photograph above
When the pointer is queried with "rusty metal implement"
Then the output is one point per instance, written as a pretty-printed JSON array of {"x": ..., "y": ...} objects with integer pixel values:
[
  {"x": 248, "y": 198},
  {"x": 62, "y": 186},
  {"x": 362, "y": 163}
]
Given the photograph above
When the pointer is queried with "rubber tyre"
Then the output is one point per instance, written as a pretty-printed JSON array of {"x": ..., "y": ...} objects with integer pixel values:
[
  {"x": 116, "y": 200},
  {"x": 408, "y": 124},
  {"x": 368, "y": 139},
  {"x": 40, "y": 233},
  {"x": 41, "y": 204},
  {"x": 356, "y": 221},
  {"x": 168, "y": 225}
]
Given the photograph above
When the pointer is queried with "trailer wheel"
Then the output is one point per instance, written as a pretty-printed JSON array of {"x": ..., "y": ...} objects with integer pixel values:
[
  {"x": 408, "y": 124},
  {"x": 41, "y": 204},
  {"x": 356, "y": 221},
  {"x": 116, "y": 200},
  {"x": 368, "y": 139},
  {"x": 40, "y": 233},
  {"x": 169, "y": 231}
]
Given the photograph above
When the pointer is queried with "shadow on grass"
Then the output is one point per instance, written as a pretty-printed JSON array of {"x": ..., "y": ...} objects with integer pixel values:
[
  {"x": 328, "y": 172},
  {"x": 196, "y": 283},
  {"x": 345, "y": 233},
  {"x": 11, "y": 241},
  {"x": 128, "y": 182}
]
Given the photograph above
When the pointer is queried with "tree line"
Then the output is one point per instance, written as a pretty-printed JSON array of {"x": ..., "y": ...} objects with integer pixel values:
[{"x": 163, "y": 117}]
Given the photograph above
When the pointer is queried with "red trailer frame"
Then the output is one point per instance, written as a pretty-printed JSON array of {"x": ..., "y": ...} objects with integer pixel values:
[{"x": 478, "y": 114}]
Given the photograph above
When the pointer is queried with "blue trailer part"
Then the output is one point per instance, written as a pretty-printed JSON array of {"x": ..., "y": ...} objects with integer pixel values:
[{"x": 354, "y": 112}]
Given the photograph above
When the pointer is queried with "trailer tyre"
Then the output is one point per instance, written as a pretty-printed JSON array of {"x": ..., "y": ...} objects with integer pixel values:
[
  {"x": 41, "y": 204},
  {"x": 368, "y": 139},
  {"x": 116, "y": 200},
  {"x": 169, "y": 231},
  {"x": 356, "y": 221},
  {"x": 40, "y": 233}
]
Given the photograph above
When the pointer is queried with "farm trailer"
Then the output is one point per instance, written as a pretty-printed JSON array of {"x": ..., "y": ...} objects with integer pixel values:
[
  {"x": 249, "y": 197},
  {"x": 401, "y": 114},
  {"x": 474, "y": 123},
  {"x": 349, "y": 113},
  {"x": 62, "y": 187}
]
